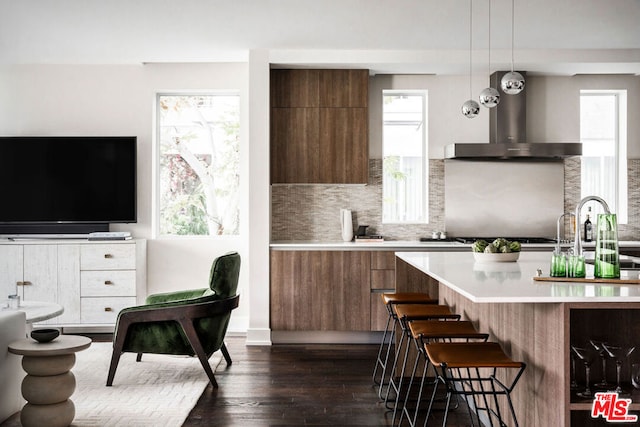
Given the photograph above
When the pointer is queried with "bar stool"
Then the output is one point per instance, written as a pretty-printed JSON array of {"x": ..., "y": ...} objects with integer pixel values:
[
  {"x": 460, "y": 372},
  {"x": 388, "y": 337},
  {"x": 429, "y": 331},
  {"x": 405, "y": 314}
]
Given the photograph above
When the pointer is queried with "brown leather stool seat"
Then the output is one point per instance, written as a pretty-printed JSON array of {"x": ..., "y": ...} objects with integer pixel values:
[
  {"x": 388, "y": 337},
  {"x": 462, "y": 369},
  {"x": 407, "y": 298},
  {"x": 407, "y": 313},
  {"x": 428, "y": 331}
]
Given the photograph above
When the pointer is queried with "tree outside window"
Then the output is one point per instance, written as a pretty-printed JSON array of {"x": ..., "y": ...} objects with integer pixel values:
[{"x": 198, "y": 186}]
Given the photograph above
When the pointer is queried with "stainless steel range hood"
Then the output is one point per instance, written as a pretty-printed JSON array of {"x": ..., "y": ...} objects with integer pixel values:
[{"x": 507, "y": 134}]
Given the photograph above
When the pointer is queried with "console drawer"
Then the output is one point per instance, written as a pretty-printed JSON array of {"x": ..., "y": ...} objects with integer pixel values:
[
  {"x": 116, "y": 283},
  {"x": 108, "y": 257},
  {"x": 103, "y": 309}
]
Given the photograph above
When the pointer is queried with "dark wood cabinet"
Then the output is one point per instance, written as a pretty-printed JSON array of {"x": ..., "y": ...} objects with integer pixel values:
[
  {"x": 343, "y": 88},
  {"x": 295, "y": 145},
  {"x": 295, "y": 88},
  {"x": 328, "y": 141},
  {"x": 320, "y": 291},
  {"x": 343, "y": 150}
]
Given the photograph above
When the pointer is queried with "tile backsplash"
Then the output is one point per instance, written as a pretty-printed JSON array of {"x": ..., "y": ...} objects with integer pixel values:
[{"x": 312, "y": 212}]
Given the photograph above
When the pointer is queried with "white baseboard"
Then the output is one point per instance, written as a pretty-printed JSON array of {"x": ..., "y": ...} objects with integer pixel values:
[{"x": 259, "y": 336}]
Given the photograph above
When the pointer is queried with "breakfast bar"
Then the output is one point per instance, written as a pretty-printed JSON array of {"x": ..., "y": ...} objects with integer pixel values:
[{"x": 537, "y": 322}]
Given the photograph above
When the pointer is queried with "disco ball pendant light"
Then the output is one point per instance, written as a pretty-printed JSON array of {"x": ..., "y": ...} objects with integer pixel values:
[
  {"x": 489, "y": 97},
  {"x": 512, "y": 83},
  {"x": 470, "y": 109}
]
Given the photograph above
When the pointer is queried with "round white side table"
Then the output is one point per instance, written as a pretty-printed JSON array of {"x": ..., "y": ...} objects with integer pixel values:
[{"x": 49, "y": 382}]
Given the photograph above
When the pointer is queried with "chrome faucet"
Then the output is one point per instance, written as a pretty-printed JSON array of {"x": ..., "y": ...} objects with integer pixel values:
[
  {"x": 577, "y": 246},
  {"x": 558, "y": 229}
]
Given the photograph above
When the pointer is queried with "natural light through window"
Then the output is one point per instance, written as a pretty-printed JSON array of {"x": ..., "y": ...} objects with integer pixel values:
[
  {"x": 603, "y": 124},
  {"x": 405, "y": 167},
  {"x": 198, "y": 164}
]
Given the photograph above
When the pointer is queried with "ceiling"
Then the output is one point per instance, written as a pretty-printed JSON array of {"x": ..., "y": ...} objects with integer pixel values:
[{"x": 562, "y": 37}]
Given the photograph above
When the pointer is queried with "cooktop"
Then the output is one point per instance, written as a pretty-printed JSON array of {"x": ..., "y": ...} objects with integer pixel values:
[{"x": 517, "y": 239}]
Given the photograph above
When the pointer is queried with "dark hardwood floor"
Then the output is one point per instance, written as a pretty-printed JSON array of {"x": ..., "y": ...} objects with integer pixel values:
[
  {"x": 293, "y": 385},
  {"x": 297, "y": 385}
]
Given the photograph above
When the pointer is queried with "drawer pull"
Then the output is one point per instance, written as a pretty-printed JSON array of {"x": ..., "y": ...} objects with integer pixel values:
[
  {"x": 108, "y": 256},
  {"x": 108, "y": 309},
  {"x": 26, "y": 283},
  {"x": 19, "y": 283},
  {"x": 108, "y": 282}
]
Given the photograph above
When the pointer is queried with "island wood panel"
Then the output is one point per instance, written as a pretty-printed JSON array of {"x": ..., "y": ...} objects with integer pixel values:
[
  {"x": 531, "y": 333},
  {"x": 295, "y": 145},
  {"x": 344, "y": 147},
  {"x": 410, "y": 279},
  {"x": 295, "y": 88},
  {"x": 320, "y": 291},
  {"x": 344, "y": 88}
]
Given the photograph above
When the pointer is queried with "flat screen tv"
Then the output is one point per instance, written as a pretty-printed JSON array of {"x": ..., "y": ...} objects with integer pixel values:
[{"x": 66, "y": 185}]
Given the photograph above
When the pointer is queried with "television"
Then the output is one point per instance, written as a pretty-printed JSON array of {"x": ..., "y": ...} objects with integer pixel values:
[{"x": 66, "y": 185}]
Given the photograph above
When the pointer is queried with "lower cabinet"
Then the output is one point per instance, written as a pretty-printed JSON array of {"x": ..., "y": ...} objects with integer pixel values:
[
  {"x": 320, "y": 291},
  {"x": 92, "y": 281}
]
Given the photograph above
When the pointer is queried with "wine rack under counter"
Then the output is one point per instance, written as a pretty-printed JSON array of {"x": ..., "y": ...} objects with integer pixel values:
[{"x": 606, "y": 339}]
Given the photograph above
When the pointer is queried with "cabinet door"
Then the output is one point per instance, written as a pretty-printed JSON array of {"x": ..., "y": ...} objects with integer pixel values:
[
  {"x": 41, "y": 273},
  {"x": 294, "y": 88},
  {"x": 69, "y": 283},
  {"x": 294, "y": 145},
  {"x": 320, "y": 291},
  {"x": 344, "y": 148},
  {"x": 344, "y": 88},
  {"x": 11, "y": 260}
]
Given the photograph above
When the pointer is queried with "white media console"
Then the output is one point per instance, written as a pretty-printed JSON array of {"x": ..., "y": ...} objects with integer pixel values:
[{"x": 92, "y": 280}]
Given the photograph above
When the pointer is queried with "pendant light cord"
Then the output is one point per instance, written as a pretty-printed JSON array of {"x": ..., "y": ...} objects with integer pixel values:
[
  {"x": 512, "y": 26},
  {"x": 489, "y": 37},
  {"x": 470, "y": 45}
]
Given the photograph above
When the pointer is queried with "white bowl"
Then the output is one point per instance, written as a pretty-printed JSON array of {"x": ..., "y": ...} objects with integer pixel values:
[{"x": 496, "y": 257}]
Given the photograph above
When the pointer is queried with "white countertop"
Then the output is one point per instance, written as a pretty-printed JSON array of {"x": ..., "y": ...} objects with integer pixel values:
[
  {"x": 513, "y": 281},
  {"x": 412, "y": 245}
]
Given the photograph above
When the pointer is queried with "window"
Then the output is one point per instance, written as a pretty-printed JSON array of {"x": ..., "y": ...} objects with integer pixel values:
[
  {"x": 404, "y": 153},
  {"x": 603, "y": 124},
  {"x": 198, "y": 164}
]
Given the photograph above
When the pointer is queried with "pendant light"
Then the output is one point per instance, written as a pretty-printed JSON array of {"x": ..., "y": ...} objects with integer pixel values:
[
  {"x": 512, "y": 83},
  {"x": 470, "y": 108},
  {"x": 489, "y": 97}
]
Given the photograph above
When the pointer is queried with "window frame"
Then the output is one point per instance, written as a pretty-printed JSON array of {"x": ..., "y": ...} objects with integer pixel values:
[
  {"x": 156, "y": 169},
  {"x": 620, "y": 142},
  {"x": 424, "y": 94}
]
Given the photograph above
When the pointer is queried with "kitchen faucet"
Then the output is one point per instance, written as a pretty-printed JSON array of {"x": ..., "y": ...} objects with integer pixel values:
[
  {"x": 577, "y": 246},
  {"x": 558, "y": 229}
]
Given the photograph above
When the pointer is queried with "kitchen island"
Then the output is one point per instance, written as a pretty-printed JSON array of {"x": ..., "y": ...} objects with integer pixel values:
[{"x": 535, "y": 322}]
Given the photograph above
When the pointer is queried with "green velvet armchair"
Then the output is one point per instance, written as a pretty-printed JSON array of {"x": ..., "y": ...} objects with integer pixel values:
[{"x": 191, "y": 322}]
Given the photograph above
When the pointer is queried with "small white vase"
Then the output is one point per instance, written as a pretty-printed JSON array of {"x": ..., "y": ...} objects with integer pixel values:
[{"x": 346, "y": 225}]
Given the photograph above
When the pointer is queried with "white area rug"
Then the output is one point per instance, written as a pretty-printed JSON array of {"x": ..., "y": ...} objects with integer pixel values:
[{"x": 160, "y": 390}]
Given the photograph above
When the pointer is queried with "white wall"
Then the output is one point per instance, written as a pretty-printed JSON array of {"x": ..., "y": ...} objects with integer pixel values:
[
  {"x": 119, "y": 100},
  {"x": 553, "y": 108}
]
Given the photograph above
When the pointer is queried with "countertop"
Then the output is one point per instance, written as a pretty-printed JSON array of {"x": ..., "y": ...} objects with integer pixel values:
[
  {"x": 414, "y": 245},
  {"x": 512, "y": 282}
]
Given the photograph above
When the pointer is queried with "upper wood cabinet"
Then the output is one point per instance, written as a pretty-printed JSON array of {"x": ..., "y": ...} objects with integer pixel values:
[
  {"x": 295, "y": 88},
  {"x": 319, "y": 126}
]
